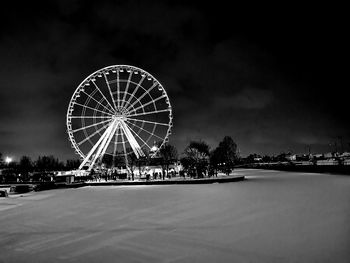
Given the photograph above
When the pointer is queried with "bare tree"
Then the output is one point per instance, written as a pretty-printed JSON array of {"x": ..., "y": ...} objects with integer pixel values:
[
  {"x": 214, "y": 161},
  {"x": 196, "y": 158},
  {"x": 48, "y": 163},
  {"x": 132, "y": 162},
  {"x": 168, "y": 153},
  {"x": 72, "y": 164},
  {"x": 25, "y": 166},
  {"x": 226, "y": 154}
]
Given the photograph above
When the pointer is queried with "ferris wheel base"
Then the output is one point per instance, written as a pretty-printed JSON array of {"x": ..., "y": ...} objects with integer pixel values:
[{"x": 99, "y": 149}]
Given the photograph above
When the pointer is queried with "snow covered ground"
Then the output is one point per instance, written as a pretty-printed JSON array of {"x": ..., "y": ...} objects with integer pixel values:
[{"x": 270, "y": 217}]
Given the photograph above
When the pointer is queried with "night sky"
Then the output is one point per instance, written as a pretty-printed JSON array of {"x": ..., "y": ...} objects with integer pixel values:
[{"x": 272, "y": 77}]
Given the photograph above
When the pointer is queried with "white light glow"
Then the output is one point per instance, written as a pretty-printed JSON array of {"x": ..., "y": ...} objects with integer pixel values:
[{"x": 154, "y": 148}]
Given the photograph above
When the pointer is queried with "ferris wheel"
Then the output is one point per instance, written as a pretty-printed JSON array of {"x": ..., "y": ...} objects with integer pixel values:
[{"x": 117, "y": 111}]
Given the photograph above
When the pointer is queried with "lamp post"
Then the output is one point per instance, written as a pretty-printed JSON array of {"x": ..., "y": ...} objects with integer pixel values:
[{"x": 8, "y": 160}]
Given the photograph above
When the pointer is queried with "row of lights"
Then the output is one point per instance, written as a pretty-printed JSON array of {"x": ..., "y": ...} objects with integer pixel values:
[{"x": 121, "y": 70}]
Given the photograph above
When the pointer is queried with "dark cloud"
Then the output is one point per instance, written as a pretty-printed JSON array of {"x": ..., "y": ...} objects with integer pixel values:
[
  {"x": 270, "y": 80},
  {"x": 247, "y": 98}
]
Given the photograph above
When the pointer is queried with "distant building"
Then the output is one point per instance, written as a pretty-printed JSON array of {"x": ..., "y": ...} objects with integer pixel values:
[
  {"x": 303, "y": 157},
  {"x": 318, "y": 156},
  {"x": 65, "y": 177},
  {"x": 291, "y": 157},
  {"x": 329, "y": 155},
  {"x": 303, "y": 163},
  {"x": 345, "y": 155},
  {"x": 346, "y": 162},
  {"x": 327, "y": 162}
]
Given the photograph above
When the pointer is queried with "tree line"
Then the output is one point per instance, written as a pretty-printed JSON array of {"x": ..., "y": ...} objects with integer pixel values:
[
  {"x": 197, "y": 160},
  {"x": 26, "y": 167}
]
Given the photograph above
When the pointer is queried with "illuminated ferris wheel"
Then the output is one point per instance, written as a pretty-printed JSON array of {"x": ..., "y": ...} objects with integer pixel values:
[{"x": 116, "y": 111}]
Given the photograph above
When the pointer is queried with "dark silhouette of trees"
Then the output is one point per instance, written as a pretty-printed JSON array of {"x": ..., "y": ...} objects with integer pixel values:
[
  {"x": 282, "y": 157},
  {"x": 142, "y": 161},
  {"x": 196, "y": 158},
  {"x": 168, "y": 154},
  {"x": 214, "y": 162},
  {"x": 107, "y": 160},
  {"x": 48, "y": 163},
  {"x": 119, "y": 163},
  {"x": 266, "y": 159},
  {"x": 72, "y": 164},
  {"x": 132, "y": 162},
  {"x": 226, "y": 154},
  {"x": 1, "y": 161},
  {"x": 25, "y": 166},
  {"x": 252, "y": 158},
  {"x": 187, "y": 164}
]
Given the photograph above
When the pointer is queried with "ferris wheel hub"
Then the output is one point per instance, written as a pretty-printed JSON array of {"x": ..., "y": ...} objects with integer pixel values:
[
  {"x": 119, "y": 117},
  {"x": 121, "y": 111}
]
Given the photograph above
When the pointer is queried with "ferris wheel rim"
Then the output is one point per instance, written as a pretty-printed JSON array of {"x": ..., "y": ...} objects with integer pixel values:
[{"x": 132, "y": 115}]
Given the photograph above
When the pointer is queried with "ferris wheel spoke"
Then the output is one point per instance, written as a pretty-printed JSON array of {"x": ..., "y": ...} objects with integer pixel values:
[
  {"x": 85, "y": 106},
  {"x": 104, "y": 149},
  {"x": 118, "y": 89},
  {"x": 124, "y": 147},
  {"x": 143, "y": 95},
  {"x": 151, "y": 122},
  {"x": 102, "y": 94},
  {"x": 148, "y": 112},
  {"x": 115, "y": 144},
  {"x": 104, "y": 144},
  {"x": 83, "y": 113},
  {"x": 137, "y": 100},
  {"x": 95, "y": 112},
  {"x": 150, "y": 133},
  {"x": 126, "y": 89},
  {"x": 92, "y": 135},
  {"x": 148, "y": 103},
  {"x": 110, "y": 91},
  {"x": 135, "y": 90},
  {"x": 90, "y": 97},
  {"x": 132, "y": 141},
  {"x": 116, "y": 136},
  {"x": 89, "y": 126},
  {"x": 97, "y": 145},
  {"x": 89, "y": 117},
  {"x": 99, "y": 102},
  {"x": 138, "y": 136}
]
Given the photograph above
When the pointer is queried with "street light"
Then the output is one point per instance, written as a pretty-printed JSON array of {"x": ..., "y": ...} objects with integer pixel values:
[
  {"x": 8, "y": 160},
  {"x": 154, "y": 148}
]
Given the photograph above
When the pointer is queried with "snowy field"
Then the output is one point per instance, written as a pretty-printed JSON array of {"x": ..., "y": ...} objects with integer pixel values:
[{"x": 270, "y": 217}]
